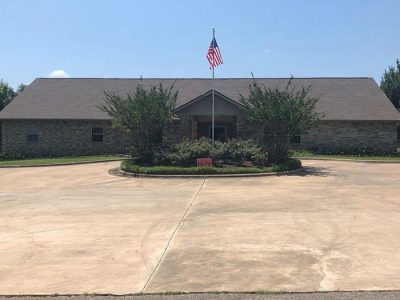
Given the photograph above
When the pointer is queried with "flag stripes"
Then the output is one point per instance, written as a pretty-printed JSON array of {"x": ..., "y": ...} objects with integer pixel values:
[{"x": 214, "y": 55}]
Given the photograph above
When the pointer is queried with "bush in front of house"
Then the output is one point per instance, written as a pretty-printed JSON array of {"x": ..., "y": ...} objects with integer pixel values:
[
  {"x": 356, "y": 152},
  {"x": 186, "y": 153},
  {"x": 287, "y": 165},
  {"x": 360, "y": 151},
  {"x": 240, "y": 151},
  {"x": 12, "y": 156},
  {"x": 130, "y": 166}
]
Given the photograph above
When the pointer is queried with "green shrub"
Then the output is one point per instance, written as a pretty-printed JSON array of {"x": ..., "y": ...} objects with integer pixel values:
[
  {"x": 240, "y": 151},
  {"x": 188, "y": 151},
  {"x": 260, "y": 158},
  {"x": 142, "y": 156},
  {"x": 220, "y": 151},
  {"x": 130, "y": 166},
  {"x": 361, "y": 152},
  {"x": 290, "y": 164},
  {"x": 12, "y": 156},
  {"x": 300, "y": 152}
]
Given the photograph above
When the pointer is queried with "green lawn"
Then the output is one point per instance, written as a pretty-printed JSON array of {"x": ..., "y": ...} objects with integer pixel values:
[
  {"x": 309, "y": 154},
  {"x": 57, "y": 160}
]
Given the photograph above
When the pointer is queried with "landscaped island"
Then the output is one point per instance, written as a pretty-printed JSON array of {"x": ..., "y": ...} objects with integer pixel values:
[
  {"x": 230, "y": 157},
  {"x": 131, "y": 167}
]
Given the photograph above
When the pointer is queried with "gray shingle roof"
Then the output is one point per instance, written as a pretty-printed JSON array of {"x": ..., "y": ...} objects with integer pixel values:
[{"x": 79, "y": 98}]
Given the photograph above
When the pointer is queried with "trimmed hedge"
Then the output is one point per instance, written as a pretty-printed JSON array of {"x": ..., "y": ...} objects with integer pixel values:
[
  {"x": 359, "y": 154},
  {"x": 12, "y": 156},
  {"x": 185, "y": 153},
  {"x": 290, "y": 164},
  {"x": 356, "y": 152},
  {"x": 130, "y": 166}
]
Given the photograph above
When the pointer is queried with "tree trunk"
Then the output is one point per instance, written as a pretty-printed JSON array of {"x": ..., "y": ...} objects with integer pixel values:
[{"x": 277, "y": 145}]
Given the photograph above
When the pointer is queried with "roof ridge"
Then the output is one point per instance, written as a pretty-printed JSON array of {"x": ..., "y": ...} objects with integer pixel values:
[{"x": 205, "y": 78}]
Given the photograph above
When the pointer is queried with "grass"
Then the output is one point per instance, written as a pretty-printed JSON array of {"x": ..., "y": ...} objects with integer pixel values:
[
  {"x": 304, "y": 153},
  {"x": 130, "y": 166},
  {"x": 57, "y": 160}
]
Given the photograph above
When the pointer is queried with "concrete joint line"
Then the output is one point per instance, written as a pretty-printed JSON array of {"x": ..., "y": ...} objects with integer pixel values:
[{"x": 172, "y": 236}]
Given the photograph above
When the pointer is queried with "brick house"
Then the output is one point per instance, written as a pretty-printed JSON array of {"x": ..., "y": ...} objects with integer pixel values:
[{"x": 62, "y": 116}]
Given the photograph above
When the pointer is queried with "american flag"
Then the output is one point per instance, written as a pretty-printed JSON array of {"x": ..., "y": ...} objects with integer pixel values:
[{"x": 213, "y": 55}]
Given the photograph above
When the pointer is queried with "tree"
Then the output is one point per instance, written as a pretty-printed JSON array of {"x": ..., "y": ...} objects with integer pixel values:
[
  {"x": 143, "y": 113},
  {"x": 21, "y": 88},
  {"x": 7, "y": 94},
  {"x": 390, "y": 84},
  {"x": 281, "y": 113}
]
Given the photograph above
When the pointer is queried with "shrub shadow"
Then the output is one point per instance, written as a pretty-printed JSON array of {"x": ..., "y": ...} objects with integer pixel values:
[{"x": 313, "y": 171}]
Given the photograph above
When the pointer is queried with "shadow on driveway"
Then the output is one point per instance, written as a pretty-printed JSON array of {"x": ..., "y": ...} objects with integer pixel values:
[{"x": 313, "y": 171}]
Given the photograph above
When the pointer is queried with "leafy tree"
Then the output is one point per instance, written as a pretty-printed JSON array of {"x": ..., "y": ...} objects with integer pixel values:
[
  {"x": 281, "y": 114},
  {"x": 7, "y": 94},
  {"x": 390, "y": 84},
  {"x": 21, "y": 88},
  {"x": 143, "y": 113}
]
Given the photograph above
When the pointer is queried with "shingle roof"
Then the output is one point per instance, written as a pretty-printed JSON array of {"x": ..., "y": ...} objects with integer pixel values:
[{"x": 79, "y": 98}]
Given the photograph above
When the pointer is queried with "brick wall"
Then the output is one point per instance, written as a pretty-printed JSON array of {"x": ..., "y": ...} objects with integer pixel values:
[
  {"x": 343, "y": 135},
  {"x": 61, "y": 138},
  {"x": 348, "y": 135},
  {"x": 75, "y": 137}
]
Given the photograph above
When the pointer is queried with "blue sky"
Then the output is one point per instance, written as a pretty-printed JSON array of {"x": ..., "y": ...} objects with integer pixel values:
[{"x": 121, "y": 38}]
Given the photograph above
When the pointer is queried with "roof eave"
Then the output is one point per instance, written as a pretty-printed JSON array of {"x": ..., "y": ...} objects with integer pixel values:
[{"x": 208, "y": 93}]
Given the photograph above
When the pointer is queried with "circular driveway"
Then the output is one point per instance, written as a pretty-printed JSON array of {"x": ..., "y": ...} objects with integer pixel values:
[{"x": 77, "y": 229}]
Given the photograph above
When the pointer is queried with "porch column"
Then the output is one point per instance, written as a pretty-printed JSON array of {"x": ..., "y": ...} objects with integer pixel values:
[
  {"x": 240, "y": 127},
  {"x": 185, "y": 125},
  {"x": 194, "y": 129}
]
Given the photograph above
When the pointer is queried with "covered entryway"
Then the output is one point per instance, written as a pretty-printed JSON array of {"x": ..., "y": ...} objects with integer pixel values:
[
  {"x": 225, "y": 127},
  {"x": 196, "y": 119}
]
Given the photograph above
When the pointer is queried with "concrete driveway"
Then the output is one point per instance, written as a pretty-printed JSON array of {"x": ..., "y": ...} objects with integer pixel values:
[{"x": 77, "y": 229}]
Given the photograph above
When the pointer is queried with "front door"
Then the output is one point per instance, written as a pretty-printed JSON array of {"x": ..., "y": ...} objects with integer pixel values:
[
  {"x": 224, "y": 128},
  {"x": 219, "y": 133}
]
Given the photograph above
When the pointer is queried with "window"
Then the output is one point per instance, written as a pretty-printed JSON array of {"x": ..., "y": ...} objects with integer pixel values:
[
  {"x": 219, "y": 133},
  {"x": 32, "y": 135},
  {"x": 294, "y": 139},
  {"x": 97, "y": 134},
  {"x": 398, "y": 134}
]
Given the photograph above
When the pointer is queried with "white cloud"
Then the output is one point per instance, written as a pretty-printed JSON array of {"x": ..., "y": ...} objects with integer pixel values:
[{"x": 58, "y": 74}]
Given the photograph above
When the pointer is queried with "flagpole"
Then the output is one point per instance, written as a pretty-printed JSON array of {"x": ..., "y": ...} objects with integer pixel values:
[{"x": 212, "y": 110}]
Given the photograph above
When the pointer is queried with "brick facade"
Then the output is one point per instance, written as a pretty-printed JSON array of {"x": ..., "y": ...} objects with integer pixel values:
[
  {"x": 347, "y": 136},
  {"x": 351, "y": 135},
  {"x": 62, "y": 138},
  {"x": 75, "y": 137}
]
